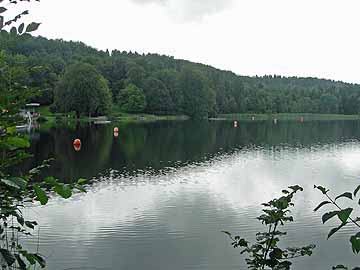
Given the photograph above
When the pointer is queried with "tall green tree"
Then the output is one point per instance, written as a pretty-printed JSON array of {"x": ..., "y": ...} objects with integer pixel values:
[
  {"x": 158, "y": 98},
  {"x": 132, "y": 99},
  {"x": 328, "y": 103},
  {"x": 198, "y": 96},
  {"x": 170, "y": 78},
  {"x": 83, "y": 90}
]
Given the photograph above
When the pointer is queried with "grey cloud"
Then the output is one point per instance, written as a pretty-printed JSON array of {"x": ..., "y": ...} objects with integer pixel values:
[{"x": 190, "y": 10}]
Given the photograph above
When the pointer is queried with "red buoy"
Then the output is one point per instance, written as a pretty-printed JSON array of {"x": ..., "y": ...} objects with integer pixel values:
[
  {"x": 116, "y": 134},
  {"x": 77, "y": 142},
  {"x": 77, "y": 148},
  {"x": 116, "y": 129}
]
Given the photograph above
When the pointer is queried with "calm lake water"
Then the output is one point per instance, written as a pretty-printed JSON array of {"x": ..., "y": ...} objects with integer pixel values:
[{"x": 161, "y": 193}]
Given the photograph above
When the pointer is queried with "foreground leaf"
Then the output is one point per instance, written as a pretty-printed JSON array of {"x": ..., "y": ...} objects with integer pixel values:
[
  {"x": 17, "y": 142},
  {"x": 345, "y": 214},
  {"x": 40, "y": 260},
  {"x": 340, "y": 266},
  {"x": 322, "y": 189},
  {"x": 21, "y": 28},
  {"x": 296, "y": 188},
  {"x": 32, "y": 27},
  {"x": 344, "y": 195},
  {"x": 356, "y": 190},
  {"x": 63, "y": 191},
  {"x": 9, "y": 183},
  {"x": 321, "y": 205},
  {"x": 8, "y": 257},
  {"x": 21, "y": 263},
  {"x": 41, "y": 195},
  {"x": 82, "y": 181},
  {"x": 329, "y": 215},
  {"x": 355, "y": 243},
  {"x": 334, "y": 230}
]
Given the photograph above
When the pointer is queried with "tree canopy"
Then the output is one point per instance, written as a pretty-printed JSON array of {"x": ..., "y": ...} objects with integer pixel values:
[
  {"x": 132, "y": 99},
  {"x": 162, "y": 79},
  {"x": 84, "y": 90}
]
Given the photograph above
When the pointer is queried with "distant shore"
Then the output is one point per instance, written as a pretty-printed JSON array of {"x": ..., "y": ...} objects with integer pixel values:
[
  {"x": 288, "y": 117},
  {"x": 48, "y": 116},
  {"x": 142, "y": 117}
]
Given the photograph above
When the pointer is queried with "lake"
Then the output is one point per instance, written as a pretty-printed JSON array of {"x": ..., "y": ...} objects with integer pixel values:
[{"x": 162, "y": 192}]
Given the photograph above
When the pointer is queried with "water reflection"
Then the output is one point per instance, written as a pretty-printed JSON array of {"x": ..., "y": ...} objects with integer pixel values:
[
  {"x": 164, "y": 191},
  {"x": 167, "y": 144}
]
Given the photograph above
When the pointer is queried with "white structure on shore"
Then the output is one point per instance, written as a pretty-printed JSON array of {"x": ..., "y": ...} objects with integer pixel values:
[{"x": 30, "y": 115}]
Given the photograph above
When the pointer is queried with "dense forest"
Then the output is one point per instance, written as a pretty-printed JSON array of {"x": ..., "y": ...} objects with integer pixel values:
[{"x": 60, "y": 71}]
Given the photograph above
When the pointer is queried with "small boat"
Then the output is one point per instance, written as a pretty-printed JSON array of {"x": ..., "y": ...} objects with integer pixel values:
[{"x": 102, "y": 122}]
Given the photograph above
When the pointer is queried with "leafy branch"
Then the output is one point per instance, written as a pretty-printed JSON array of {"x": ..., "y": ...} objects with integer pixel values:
[
  {"x": 265, "y": 252},
  {"x": 7, "y": 23},
  {"x": 344, "y": 216}
]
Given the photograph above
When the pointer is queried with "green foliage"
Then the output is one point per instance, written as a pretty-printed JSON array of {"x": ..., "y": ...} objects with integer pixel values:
[
  {"x": 266, "y": 253},
  {"x": 343, "y": 215},
  {"x": 168, "y": 86},
  {"x": 131, "y": 99},
  {"x": 199, "y": 98},
  {"x": 17, "y": 191},
  {"x": 328, "y": 103},
  {"x": 7, "y": 23},
  {"x": 158, "y": 97},
  {"x": 83, "y": 90}
]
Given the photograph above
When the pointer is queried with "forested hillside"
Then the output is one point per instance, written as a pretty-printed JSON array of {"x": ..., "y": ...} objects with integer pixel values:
[{"x": 160, "y": 84}]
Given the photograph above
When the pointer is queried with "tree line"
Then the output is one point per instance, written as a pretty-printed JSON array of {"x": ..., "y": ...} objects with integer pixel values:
[{"x": 72, "y": 76}]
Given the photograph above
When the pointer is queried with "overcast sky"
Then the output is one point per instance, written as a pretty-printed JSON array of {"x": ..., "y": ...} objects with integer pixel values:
[{"x": 318, "y": 38}]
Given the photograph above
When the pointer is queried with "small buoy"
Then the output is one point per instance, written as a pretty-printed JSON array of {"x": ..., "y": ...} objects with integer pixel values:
[
  {"x": 302, "y": 119},
  {"x": 77, "y": 147},
  {"x": 116, "y": 134},
  {"x": 235, "y": 124},
  {"x": 253, "y": 118},
  {"x": 275, "y": 121},
  {"x": 116, "y": 129},
  {"x": 77, "y": 142}
]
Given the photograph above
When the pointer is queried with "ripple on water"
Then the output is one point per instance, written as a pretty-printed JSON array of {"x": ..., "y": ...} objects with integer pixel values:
[{"x": 155, "y": 219}]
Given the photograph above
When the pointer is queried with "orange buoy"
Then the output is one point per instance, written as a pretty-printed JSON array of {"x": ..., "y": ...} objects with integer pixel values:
[
  {"x": 116, "y": 134},
  {"x": 116, "y": 129},
  {"x": 77, "y": 142},
  {"x": 77, "y": 148}
]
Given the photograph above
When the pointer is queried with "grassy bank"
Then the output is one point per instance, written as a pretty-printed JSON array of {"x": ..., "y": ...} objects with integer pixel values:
[
  {"x": 114, "y": 116},
  {"x": 288, "y": 117},
  {"x": 148, "y": 117},
  {"x": 126, "y": 117}
]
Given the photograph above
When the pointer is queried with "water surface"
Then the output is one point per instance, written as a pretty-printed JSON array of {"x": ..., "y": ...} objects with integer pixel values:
[{"x": 162, "y": 192}]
